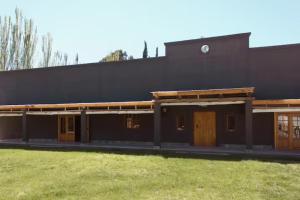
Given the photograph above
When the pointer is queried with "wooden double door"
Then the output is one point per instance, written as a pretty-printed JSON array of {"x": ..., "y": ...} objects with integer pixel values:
[
  {"x": 287, "y": 131},
  {"x": 205, "y": 129}
]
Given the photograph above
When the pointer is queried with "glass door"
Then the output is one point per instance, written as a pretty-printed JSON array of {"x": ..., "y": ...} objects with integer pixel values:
[
  {"x": 295, "y": 131},
  {"x": 287, "y": 131},
  {"x": 282, "y": 130}
]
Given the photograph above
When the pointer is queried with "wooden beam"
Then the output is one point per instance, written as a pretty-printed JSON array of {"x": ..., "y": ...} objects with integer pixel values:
[
  {"x": 53, "y": 113},
  {"x": 99, "y": 112},
  {"x": 11, "y": 114},
  {"x": 232, "y": 99},
  {"x": 274, "y": 102},
  {"x": 276, "y": 109},
  {"x": 77, "y": 105},
  {"x": 247, "y": 90},
  {"x": 202, "y": 103}
]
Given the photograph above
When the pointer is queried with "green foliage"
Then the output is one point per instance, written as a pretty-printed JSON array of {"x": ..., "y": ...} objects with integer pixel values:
[
  {"x": 46, "y": 50},
  {"x": 29, "y": 174},
  {"x": 118, "y": 55},
  {"x": 18, "y": 41}
]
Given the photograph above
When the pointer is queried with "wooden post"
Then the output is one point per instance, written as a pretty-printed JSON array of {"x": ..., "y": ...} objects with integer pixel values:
[
  {"x": 83, "y": 127},
  {"x": 248, "y": 124},
  {"x": 157, "y": 123},
  {"x": 24, "y": 127}
]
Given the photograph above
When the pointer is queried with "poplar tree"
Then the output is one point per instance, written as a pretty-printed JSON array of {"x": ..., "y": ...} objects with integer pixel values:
[
  {"x": 15, "y": 41},
  {"x": 145, "y": 52},
  {"x": 46, "y": 50},
  {"x": 5, "y": 27}
]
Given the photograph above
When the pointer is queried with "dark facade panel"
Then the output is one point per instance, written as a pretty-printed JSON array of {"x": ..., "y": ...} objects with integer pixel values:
[
  {"x": 98, "y": 82},
  {"x": 10, "y": 128},
  {"x": 170, "y": 134},
  {"x": 42, "y": 127},
  {"x": 263, "y": 129},
  {"x": 113, "y": 127},
  {"x": 230, "y": 63},
  {"x": 275, "y": 72}
]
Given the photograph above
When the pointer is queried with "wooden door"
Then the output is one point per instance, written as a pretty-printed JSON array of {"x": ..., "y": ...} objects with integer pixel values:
[
  {"x": 287, "y": 131},
  {"x": 66, "y": 128},
  {"x": 295, "y": 131},
  {"x": 282, "y": 131},
  {"x": 205, "y": 128}
]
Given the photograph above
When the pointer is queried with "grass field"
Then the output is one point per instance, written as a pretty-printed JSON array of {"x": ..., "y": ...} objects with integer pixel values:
[{"x": 26, "y": 174}]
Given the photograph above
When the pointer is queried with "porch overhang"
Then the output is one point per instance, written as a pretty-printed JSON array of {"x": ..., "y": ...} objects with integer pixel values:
[
  {"x": 131, "y": 107},
  {"x": 276, "y": 105},
  {"x": 210, "y": 93},
  {"x": 203, "y": 103}
]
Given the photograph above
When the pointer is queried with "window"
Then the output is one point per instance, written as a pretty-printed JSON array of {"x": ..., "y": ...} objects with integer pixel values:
[
  {"x": 132, "y": 122},
  {"x": 70, "y": 124},
  {"x": 180, "y": 123},
  {"x": 283, "y": 126},
  {"x": 63, "y": 125},
  {"x": 296, "y": 127},
  {"x": 230, "y": 122}
]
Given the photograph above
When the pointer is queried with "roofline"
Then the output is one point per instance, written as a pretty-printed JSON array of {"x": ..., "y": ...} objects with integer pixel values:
[
  {"x": 283, "y": 46},
  {"x": 239, "y": 35},
  {"x": 153, "y": 59}
]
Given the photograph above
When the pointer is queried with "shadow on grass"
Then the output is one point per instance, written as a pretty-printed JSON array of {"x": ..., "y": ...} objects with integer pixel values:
[{"x": 276, "y": 158}]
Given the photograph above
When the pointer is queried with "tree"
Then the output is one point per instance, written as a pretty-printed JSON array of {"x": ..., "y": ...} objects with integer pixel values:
[
  {"x": 156, "y": 52},
  {"x": 118, "y": 55},
  {"x": 46, "y": 50},
  {"x": 16, "y": 40},
  {"x": 5, "y": 26},
  {"x": 57, "y": 59},
  {"x": 76, "y": 59},
  {"x": 130, "y": 57},
  {"x": 65, "y": 59},
  {"x": 29, "y": 44},
  {"x": 145, "y": 52}
]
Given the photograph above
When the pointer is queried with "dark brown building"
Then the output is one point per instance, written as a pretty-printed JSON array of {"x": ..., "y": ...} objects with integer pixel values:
[{"x": 205, "y": 92}]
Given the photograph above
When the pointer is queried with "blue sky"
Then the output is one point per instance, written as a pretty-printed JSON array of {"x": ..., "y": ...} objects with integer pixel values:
[{"x": 93, "y": 28}]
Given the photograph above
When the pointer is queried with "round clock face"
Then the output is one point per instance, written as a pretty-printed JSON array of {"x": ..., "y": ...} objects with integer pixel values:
[{"x": 205, "y": 48}]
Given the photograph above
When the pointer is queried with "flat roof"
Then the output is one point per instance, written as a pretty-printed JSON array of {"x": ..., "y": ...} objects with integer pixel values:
[{"x": 204, "y": 39}]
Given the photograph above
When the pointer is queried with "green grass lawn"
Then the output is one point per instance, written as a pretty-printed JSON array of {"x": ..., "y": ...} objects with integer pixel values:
[{"x": 26, "y": 174}]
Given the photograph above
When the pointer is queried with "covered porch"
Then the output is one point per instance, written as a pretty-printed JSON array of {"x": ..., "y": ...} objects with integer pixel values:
[
  {"x": 204, "y": 118},
  {"x": 284, "y": 116},
  {"x": 192, "y": 118},
  {"x": 78, "y": 122}
]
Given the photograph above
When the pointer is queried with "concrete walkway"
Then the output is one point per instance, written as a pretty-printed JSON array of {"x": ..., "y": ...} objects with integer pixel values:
[{"x": 148, "y": 148}]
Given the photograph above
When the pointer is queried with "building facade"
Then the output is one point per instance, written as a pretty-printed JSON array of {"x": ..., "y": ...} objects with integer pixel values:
[{"x": 207, "y": 92}]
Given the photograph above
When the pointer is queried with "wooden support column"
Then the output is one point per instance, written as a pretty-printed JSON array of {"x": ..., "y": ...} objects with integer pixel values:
[
  {"x": 83, "y": 127},
  {"x": 24, "y": 127},
  {"x": 157, "y": 123},
  {"x": 248, "y": 124}
]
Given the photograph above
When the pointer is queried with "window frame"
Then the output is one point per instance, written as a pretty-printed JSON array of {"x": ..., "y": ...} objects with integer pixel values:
[
  {"x": 232, "y": 116},
  {"x": 180, "y": 125},
  {"x": 135, "y": 122}
]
